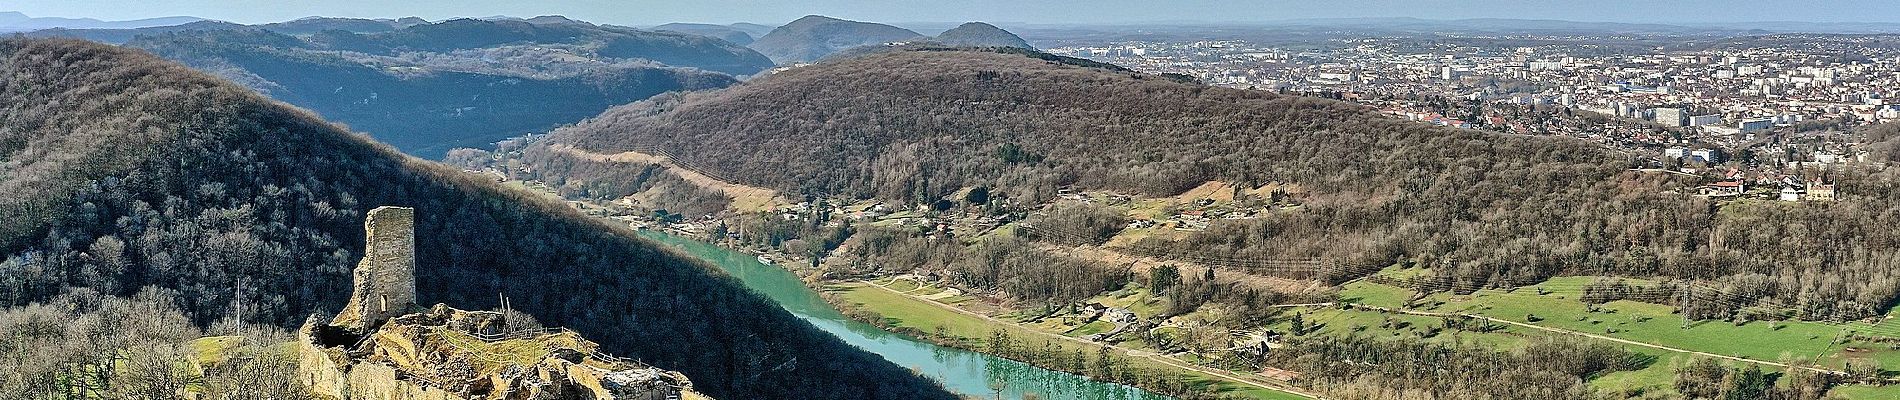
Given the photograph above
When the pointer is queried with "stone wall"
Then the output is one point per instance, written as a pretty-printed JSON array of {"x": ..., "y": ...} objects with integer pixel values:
[
  {"x": 371, "y": 381},
  {"x": 330, "y": 375},
  {"x": 386, "y": 278},
  {"x": 319, "y": 368}
]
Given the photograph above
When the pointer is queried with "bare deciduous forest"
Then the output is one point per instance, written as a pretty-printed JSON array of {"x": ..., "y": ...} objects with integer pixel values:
[
  {"x": 123, "y": 172},
  {"x": 1481, "y": 209},
  {"x": 431, "y": 87}
]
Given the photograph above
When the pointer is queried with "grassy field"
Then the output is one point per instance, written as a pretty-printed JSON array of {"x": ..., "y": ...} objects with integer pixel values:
[
  {"x": 211, "y": 349},
  {"x": 901, "y": 310},
  {"x": 1642, "y": 322},
  {"x": 1865, "y": 392},
  {"x": 1557, "y": 307},
  {"x": 1554, "y": 303},
  {"x": 1135, "y": 299},
  {"x": 1335, "y": 321},
  {"x": 1658, "y": 377},
  {"x": 906, "y": 311}
]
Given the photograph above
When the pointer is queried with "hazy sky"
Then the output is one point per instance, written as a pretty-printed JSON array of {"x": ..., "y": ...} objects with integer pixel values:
[{"x": 647, "y": 12}]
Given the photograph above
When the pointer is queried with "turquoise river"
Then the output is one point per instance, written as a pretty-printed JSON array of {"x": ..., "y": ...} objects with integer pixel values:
[{"x": 965, "y": 372}]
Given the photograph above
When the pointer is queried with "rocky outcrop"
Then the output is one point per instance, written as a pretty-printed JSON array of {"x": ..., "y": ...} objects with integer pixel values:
[{"x": 370, "y": 352}]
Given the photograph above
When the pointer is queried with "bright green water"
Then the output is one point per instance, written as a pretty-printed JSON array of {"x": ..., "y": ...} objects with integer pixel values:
[{"x": 963, "y": 371}]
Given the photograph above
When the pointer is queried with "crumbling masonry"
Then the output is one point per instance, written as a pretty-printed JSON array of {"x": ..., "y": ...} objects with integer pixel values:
[
  {"x": 386, "y": 278},
  {"x": 382, "y": 346}
]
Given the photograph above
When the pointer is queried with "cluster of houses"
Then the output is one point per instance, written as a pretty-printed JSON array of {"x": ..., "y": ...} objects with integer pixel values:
[
  {"x": 1121, "y": 317},
  {"x": 1113, "y": 199},
  {"x": 1810, "y": 191},
  {"x": 1736, "y": 183},
  {"x": 1431, "y": 117}
]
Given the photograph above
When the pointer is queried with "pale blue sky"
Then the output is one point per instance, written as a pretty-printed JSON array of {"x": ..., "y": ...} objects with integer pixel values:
[{"x": 646, "y": 12}]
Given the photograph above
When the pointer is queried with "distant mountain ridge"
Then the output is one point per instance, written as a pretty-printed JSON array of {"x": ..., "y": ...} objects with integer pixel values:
[
  {"x": 755, "y": 30},
  {"x": 312, "y": 25},
  {"x": 13, "y": 21},
  {"x": 429, "y": 87},
  {"x": 383, "y": 36},
  {"x": 670, "y": 48},
  {"x": 298, "y": 27},
  {"x": 978, "y": 34},
  {"x": 122, "y": 35},
  {"x": 724, "y": 32},
  {"x": 814, "y": 36}
]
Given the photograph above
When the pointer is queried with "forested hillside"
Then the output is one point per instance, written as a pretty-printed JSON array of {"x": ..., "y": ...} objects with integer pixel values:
[
  {"x": 814, "y": 36},
  {"x": 121, "y": 171},
  {"x": 1479, "y": 209},
  {"x": 430, "y": 87},
  {"x": 722, "y": 32},
  {"x": 300, "y": 27},
  {"x": 122, "y": 35},
  {"x": 670, "y": 48},
  {"x": 1886, "y": 139},
  {"x": 978, "y": 34},
  {"x": 425, "y": 104}
]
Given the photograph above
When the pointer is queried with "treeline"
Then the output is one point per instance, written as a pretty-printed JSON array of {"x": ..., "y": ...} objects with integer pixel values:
[
  {"x": 917, "y": 126},
  {"x": 1075, "y": 224},
  {"x": 1819, "y": 260},
  {"x": 575, "y": 177},
  {"x": 1885, "y": 140},
  {"x": 1005, "y": 265},
  {"x": 84, "y": 345},
  {"x": 1019, "y": 269},
  {"x": 1706, "y": 378},
  {"x": 1362, "y": 367},
  {"x": 122, "y": 171}
]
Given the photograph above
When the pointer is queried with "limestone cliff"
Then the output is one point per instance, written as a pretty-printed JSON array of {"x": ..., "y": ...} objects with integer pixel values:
[{"x": 376, "y": 349}]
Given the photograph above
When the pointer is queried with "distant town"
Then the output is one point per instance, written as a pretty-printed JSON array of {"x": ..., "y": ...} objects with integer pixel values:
[{"x": 1765, "y": 109}]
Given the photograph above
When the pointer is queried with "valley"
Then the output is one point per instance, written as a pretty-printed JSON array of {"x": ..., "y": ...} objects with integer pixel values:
[
  {"x": 655, "y": 202},
  {"x": 1504, "y": 319},
  {"x": 1051, "y": 262},
  {"x": 213, "y": 208}
]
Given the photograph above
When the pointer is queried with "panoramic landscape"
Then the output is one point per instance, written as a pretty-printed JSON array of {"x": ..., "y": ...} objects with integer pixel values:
[{"x": 1053, "y": 200}]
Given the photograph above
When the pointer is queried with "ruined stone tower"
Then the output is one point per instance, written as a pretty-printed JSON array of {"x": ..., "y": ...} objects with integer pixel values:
[{"x": 386, "y": 278}]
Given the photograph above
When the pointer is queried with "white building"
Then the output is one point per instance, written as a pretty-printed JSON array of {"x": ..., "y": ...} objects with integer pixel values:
[
  {"x": 1700, "y": 120},
  {"x": 1706, "y": 155},
  {"x": 1670, "y": 116},
  {"x": 1755, "y": 124},
  {"x": 1789, "y": 193}
]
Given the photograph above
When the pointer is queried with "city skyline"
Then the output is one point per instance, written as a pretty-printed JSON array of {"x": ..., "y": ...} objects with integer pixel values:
[{"x": 642, "y": 12}]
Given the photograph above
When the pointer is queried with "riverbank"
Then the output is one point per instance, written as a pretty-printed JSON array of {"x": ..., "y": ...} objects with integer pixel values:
[
  {"x": 967, "y": 372},
  {"x": 949, "y": 325}
]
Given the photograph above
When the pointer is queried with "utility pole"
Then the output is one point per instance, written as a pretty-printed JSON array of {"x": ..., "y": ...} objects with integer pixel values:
[{"x": 239, "y": 301}]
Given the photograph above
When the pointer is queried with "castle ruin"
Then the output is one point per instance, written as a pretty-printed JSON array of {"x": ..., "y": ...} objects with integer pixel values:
[
  {"x": 386, "y": 278},
  {"x": 382, "y": 346}
]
